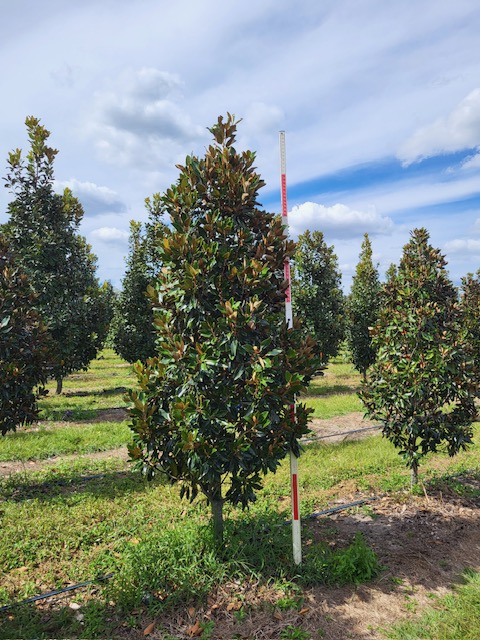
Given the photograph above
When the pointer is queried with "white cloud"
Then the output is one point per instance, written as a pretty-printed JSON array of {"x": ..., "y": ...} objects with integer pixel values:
[
  {"x": 468, "y": 246},
  {"x": 459, "y": 130},
  {"x": 110, "y": 235},
  {"x": 410, "y": 195},
  {"x": 141, "y": 121},
  {"x": 263, "y": 118},
  {"x": 338, "y": 220},
  {"x": 473, "y": 162},
  {"x": 94, "y": 199}
]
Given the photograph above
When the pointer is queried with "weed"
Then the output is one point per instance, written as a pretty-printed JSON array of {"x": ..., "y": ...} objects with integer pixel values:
[
  {"x": 293, "y": 602},
  {"x": 355, "y": 564},
  {"x": 294, "y": 633},
  {"x": 240, "y": 615},
  {"x": 207, "y": 629}
]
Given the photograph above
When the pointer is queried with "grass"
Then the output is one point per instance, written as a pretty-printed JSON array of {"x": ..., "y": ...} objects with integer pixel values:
[
  {"x": 74, "y": 520},
  {"x": 87, "y": 395},
  {"x": 337, "y": 379},
  {"x": 454, "y": 617},
  {"x": 329, "y": 406},
  {"x": 54, "y": 440}
]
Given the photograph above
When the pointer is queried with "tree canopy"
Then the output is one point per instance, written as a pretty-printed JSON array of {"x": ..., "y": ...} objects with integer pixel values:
[
  {"x": 422, "y": 385},
  {"x": 43, "y": 232},
  {"x": 213, "y": 407},
  {"x": 317, "y": 296},
  {"x": 23, "y": 345},
  {"x": 362, "y": 309}
]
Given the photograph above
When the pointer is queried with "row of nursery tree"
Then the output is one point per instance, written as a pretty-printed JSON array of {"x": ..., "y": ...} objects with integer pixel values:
[{"x": 201, "y": 313}]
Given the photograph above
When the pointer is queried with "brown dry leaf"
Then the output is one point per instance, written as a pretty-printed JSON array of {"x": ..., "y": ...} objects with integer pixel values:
[
  {"x": 148, "y": 630},
  {"x": 303, "y": 611},
  {"x": 195, "y": 630},
  {"x": 277, "y": 615},
  {"x": 234, "y": 606},
  {"x": 191, "y": 612}
]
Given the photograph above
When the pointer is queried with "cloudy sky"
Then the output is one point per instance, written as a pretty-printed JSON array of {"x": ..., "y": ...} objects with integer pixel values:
[{"x": 380, "y": 102}]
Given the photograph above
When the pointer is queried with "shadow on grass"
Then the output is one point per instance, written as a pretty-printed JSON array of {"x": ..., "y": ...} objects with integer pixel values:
[
  {"x": 107, "y": 484},
  {"x": 179, "y": 566},
  {"x": 462, "y": 487},
  {"x": 77, "y": 415},
  {"x": 103, "y": 392},
  {"x": 331, "y": 390}
]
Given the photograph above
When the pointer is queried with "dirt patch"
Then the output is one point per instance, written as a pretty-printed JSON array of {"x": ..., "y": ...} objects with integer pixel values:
[
  {"x": 116, "y": 414},
  {"x": 334, "y": 429}
]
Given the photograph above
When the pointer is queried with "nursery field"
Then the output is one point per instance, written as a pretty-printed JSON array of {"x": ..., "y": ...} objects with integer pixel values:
[{"x": 401, "y": 565}]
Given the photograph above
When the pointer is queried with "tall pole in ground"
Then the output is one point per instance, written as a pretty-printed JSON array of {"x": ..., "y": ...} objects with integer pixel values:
[{"x": 296, "y": 528}]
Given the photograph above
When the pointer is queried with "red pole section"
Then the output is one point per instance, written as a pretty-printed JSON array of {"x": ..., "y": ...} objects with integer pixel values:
[{"x": 296, "y": 528}]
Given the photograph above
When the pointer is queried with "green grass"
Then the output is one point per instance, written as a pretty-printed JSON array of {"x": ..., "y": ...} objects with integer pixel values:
[
  {"x": 80, "y": 407},
  {"x": 108, "y": 372},
  {"x": 74, "y": 520},
  {"x": 329, "y": 406},
  {"x": 337, "y": 378},
  {"x": 86, "y": 396},
  {"x": 334, "y": 393},
  {"x": 86, "y": 392},
  {"x": 455, "y": 617},
  {"x": 52, "y": 440}
]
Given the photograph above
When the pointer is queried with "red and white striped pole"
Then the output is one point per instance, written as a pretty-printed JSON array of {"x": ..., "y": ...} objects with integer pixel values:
[{"x": 296, "y": 528}]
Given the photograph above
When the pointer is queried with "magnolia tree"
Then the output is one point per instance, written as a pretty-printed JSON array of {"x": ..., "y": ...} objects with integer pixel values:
[
  {"x": 470, "y": 304},
  {"x": 43, "y": 232},
  {"x": 132, "y": 328},
  {"x": 421, "y": 387},
  {"x": 317, "y": 295},
  {"x": 362, "y": 307},
  {"x": 23, "y": 346},
  {"x": 213, "y": 408}
]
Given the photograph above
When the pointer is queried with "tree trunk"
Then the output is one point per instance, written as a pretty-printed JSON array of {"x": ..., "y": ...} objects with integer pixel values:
[
  {"x": 216, "y": 502},
  {"x": 59, "y": 386},
  {"x": 414, "y": 473}
]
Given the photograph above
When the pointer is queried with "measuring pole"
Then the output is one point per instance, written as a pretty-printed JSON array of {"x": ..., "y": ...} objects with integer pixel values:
[{"x": 296, "y": 529}]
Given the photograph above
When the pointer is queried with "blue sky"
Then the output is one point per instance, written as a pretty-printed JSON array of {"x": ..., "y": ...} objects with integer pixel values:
[{"x": 380, "y": 102}]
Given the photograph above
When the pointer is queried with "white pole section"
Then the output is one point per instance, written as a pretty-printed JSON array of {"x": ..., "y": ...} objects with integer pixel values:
[{"x": 296, "y": 528}]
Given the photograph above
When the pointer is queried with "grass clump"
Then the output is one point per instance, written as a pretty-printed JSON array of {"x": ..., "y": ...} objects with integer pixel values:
[{"x": 354, "y": 564}]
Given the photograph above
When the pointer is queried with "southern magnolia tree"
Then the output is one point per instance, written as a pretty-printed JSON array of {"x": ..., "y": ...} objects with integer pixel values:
[
  {"x": 470, "y": 304},
  {"x": 362, "y": 308},
  {"x": 421, "y": 387},
  {"x": 316, "y": 293},
  {"x": 43, "y": 233},
  {"x": 132, "y": 328},
  {"x": 23, "y": 346},
  {"x": 132, "y": 333},
  {"x": 213, "y": 409}
]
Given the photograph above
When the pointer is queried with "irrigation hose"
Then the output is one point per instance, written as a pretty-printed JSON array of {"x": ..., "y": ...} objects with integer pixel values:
[{"x": 56, "y": 592}]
